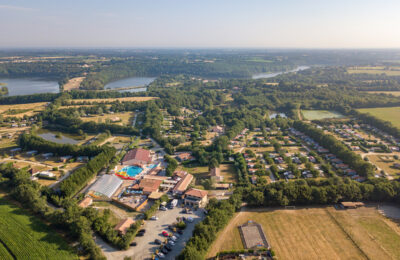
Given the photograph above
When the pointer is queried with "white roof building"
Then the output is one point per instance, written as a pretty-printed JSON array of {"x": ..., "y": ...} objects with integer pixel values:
[{"x": 106, "y": 185}]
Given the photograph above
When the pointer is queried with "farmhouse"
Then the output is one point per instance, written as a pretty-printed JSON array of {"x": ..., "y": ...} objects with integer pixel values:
[
  {"x": 137, "y": 156},
  {"x": 124, "y": 225},
  {"x": 196, "y": 198}
]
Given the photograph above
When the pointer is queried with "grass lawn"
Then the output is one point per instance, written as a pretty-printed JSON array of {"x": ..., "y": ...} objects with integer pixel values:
[
  {"x": 26, "y": 237},
  {"x": 20, "y": 110},
  {"x": 318, "y": 233},
  {"x": 320, "y": 114},
  {"x": 199, "y": 173},
  {"x": 386, "y": 166},
  {"x": 391, "y": 114},
  {"x": 229, "y": 172}
]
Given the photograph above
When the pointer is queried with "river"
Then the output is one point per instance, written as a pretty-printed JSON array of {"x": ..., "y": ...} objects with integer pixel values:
[
  {"x": 28, "y": 86},
  {"x": 130, "y": 82},
  {"x": 271, "y": 75}
]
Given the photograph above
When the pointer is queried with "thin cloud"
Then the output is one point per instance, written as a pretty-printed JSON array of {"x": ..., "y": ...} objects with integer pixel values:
[{"x": 16, "y": 8}]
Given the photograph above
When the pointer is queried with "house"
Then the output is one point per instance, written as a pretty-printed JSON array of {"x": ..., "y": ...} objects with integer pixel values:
[
  {"x": 351, "y": 205},
  {"x": 217, "y": 129},
  {"x": 123, "y": 226},
  {"x": 149, "y": 185},
  {"x": 195, "y": 198},
  {"x": 47, "y": 155},
  {"x": 137, "y": 156},
  {"x": 185, "y": 156},
  {"x": 86, "y": 202},
  {"x": 182, "y": 184},
  {"x": 215, "y": 174},
  {"x": 15, "y": 150},
  {"x": 64, "y": 159}
]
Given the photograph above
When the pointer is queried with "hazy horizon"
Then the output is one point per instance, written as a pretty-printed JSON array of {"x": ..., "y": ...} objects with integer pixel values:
[{"x": 218, "y": 24}]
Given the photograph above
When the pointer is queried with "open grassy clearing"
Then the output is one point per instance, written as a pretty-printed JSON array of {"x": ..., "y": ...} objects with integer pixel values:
[
  {"x": 320, "y": 114},
  {"x": 20, "y": 110},
  {"x": 394, "y": 93},
  {"x": 73, "y": 83},
  {"x": 391, "y": 114},
  {"x": 26, "y": 237},
  {"x": 123, "y": 118},
  {"x": 229, "y": 172},
  {"x": 108, "y": 100},
  {"x": 318, "y": 233},
  {"x": 385, "y": 163}
]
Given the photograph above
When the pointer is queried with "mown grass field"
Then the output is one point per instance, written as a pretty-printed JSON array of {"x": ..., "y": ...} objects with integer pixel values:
[
  {"x": 391, "y": 114},
  {"x": 108, "y": 100},
  {"x": 320, "y": 114},
  {"x": 125, "y": 118},
  {"x": 25, "y": 237},
  {"x": 318, "y": 233},
  {"x": 229, "y": 172}
]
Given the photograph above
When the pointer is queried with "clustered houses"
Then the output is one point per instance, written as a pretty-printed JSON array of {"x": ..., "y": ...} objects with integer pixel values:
[{"x": 336, "y": 162}]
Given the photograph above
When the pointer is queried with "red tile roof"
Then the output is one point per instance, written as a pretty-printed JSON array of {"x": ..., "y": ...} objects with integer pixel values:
[
  {"x": 124, "y": 225},
  {"x": 196, "y": 193},
  {"x": 182, "y": 185},
  {"x": 138, "y": 154},
  {"x": 150, "y": 185}
]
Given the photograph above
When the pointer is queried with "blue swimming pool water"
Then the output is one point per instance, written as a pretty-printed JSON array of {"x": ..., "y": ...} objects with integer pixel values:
[
  {"x": 132, "y": 171},
  {"x": 151, "y": 166}
]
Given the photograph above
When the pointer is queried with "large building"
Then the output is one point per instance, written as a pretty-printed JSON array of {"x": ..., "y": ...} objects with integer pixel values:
[
  {"x": 137, "y": 157},
  {"x": 196, "y": 198},
  {"x": 105, "y": 186},
  {"x": 182, "y": 184}
]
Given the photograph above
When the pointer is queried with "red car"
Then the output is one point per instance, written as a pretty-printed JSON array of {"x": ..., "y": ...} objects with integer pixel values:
[{"x": 165, "y": 233}]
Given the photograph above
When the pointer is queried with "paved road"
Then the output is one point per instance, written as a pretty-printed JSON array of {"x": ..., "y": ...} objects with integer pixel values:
[{"x": 145, "y": 245}]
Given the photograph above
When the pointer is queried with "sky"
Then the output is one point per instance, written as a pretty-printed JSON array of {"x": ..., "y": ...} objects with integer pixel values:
[{"x": 200, "y": 23}]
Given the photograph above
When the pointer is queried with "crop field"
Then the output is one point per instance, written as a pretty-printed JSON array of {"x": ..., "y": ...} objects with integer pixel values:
[
  {"x": 320, "y": 114},
  {"x": 318, "y": 233},
  {"x": 394, "y": 93},
  {"x": 20, "y": 110},
  {"x": 109, "y": 100},
  {"x": 391, "y": 114},
  {"x": 391, "y": 71},
  {"x": 25, "y": 237}
]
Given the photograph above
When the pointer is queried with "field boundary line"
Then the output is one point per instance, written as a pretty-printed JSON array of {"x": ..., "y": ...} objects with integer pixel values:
[{"x": 347, "y": 234}]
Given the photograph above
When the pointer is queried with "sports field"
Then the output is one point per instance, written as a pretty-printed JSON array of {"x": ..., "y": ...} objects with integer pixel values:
[
  {"x": 23, "y": 236},
  {"x": 318, "y": 233},
  {"x": 391, "y": 114},
  {"x": 320, "y": 114}
]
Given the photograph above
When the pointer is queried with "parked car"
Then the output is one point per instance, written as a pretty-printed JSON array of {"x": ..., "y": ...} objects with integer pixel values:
[
  {"x": 164, "y": 251},
  {"x": 161, "y": 255},
  {"x": 165, "y": 233},
  {"x": 133, "y": 244},
  {"x": 171, "y": 242},
  {"x": 168, "y": 247},
  {"x": 139, "y": 234},
  {"x": 158, "y": 241},
  {"x": 180, "y": 231},
  {"x": 154, "y": 218},
  {"x": 177, "y": 235},
  {"x": 189, "y": 219},
  {"x": 163, "y": 208},
  {"x": 142, "y": 231},
  {"x": 174, "y": 238}
]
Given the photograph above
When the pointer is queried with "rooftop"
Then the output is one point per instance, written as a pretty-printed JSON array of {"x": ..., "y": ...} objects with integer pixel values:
[
  {"x": 196, "y": 193},
  {"x": 123, "y": 225},
  {"x": 106, "y": 185},
  {"x": 137, "y": 154}
]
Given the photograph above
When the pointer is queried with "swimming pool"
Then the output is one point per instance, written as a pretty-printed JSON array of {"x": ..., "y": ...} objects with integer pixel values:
[{"x": 131, "y": 171}]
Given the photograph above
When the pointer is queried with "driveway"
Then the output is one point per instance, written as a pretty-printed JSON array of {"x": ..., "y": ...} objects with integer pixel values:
[{"x": 146, "y": 246}]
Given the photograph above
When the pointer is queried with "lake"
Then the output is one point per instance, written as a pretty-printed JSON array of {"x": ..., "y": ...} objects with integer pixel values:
[
  {"x": 28, "y": 86},
  {"x": 271, "y": 75},
  {"x": 130, "y": 82},
  {"x": 51, "y": 136}
]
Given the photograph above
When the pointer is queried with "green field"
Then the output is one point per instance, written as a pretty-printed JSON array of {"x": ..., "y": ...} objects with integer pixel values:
[
  {"x": 391, "y": 114},
  {"x": 320, "y": 114},
  {"x": 25, "y": 237}
]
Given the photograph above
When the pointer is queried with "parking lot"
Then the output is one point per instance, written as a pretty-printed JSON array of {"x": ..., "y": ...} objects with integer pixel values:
[{"x": 145, "y": 244}]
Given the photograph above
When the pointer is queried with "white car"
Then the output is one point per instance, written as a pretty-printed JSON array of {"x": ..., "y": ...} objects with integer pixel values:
[
  {"x": 171, "y": 242},
  {"x": 154, "y": 218},
  {"x": 161, "y": 255},
  {"x": 189, "y": 219},
  {"x": 174, "y": 238}
]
